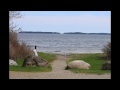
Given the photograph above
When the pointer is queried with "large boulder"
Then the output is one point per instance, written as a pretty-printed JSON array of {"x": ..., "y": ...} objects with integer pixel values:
[
  {"x": 12, "y": 63},
  {"x": 35, "y": 61},
  {"x": 79, "y": 64},
  {"x": 106, "y": 65}
]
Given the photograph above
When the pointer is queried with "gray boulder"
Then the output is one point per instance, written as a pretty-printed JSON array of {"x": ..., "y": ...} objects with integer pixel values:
[
  {"x": 79, "y": 64},
  {"x": 12, "y": 63},
  {"x": 106, "y": 65},
  {"x": 35, "y": 61}
]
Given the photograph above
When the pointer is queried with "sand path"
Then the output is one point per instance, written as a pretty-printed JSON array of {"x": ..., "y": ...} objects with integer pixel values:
[{"x": 58, "y": 72}]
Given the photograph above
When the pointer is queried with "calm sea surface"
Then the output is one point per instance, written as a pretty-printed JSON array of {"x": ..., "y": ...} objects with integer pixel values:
[{"x": 63, "y": 43}]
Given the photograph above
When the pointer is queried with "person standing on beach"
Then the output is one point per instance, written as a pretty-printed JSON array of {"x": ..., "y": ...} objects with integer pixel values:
[{"x": 35, "y": 51}]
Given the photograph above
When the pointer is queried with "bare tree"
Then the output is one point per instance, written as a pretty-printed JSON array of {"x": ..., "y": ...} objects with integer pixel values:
[
  {"x": 14, "y": 15},
  {"x": 16, "y": 50}
]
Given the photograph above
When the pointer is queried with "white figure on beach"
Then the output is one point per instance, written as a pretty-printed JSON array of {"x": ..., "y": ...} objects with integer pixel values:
[{"x": 35, "y": 51}]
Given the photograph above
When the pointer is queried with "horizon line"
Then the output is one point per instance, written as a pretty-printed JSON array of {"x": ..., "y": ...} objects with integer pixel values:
[{"x": 64, "y": 32}]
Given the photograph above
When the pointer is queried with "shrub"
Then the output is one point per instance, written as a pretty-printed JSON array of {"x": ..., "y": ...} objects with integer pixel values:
[
  {"x": 17, "y": 50},
  {"x": 107, "y": 51}
]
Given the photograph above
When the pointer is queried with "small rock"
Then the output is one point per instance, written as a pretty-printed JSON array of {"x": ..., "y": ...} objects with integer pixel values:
[{"x": 12, "y": 63}]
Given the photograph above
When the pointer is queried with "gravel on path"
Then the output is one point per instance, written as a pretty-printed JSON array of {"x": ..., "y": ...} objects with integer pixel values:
[{"x": 58, "y": 72}]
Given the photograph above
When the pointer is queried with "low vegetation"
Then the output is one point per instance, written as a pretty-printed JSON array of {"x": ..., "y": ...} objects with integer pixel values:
[
  {"x": 107, "y": 51},
  {"x": 17, "y": 50},
  {"x": 95, "y": 60},
  {"x": 46, "y": 56}
]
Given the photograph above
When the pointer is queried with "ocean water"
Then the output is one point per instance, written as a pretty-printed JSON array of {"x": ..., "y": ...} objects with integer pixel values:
[{"x": 64, "y": 43}]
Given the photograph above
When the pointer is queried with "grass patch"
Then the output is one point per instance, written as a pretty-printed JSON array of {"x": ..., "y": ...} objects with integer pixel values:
[
  {"x": 95, "y": 60},
  {"x": 46, "y": 56},
  {"x": 49, "y": 57}
]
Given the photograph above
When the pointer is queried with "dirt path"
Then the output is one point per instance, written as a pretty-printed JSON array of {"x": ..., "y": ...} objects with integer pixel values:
[
  {"x": 58, "y": 72},
  {"x": 59, "y": 64}
]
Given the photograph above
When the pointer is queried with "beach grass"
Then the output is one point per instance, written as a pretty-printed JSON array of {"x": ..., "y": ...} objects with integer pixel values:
[
  {"x": 95, "y": 60},
  {"x": 49, "y": 57}
]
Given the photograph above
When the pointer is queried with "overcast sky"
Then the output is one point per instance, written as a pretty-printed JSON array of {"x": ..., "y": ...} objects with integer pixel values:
[{"x": 66, "y": 21}]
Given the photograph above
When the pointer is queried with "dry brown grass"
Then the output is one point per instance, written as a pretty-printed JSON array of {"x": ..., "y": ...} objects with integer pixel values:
[{"x": 17, "y": 50}]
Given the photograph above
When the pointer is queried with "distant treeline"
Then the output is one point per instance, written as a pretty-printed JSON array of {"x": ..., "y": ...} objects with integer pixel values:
[
  {"x": 40, "y": 32},
  {"x": 66, "y": 33},
  {"x": 87, "y": 33}
]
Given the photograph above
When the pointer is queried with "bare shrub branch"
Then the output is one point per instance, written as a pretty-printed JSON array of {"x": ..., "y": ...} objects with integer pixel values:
[
  {"x": 107, "y": 51},
  {"x": 16, "y": 50}
]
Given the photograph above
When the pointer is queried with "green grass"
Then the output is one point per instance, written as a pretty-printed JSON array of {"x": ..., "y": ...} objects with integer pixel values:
[
  {"x": 49, "y": 57},
  {"x": 95, "y": 60},
  {"x": 46, "y": 56}
]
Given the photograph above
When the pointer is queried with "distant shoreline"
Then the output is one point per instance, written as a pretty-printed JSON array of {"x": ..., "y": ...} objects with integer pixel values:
[
  {"x": 41, "y": 32},
  {"x": 80, "y": 33}
]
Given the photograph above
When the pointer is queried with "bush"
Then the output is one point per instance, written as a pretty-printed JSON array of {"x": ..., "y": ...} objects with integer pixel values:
[
  {"x": 17, "y": 50},
  {"x": 107, "y": 51}
]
